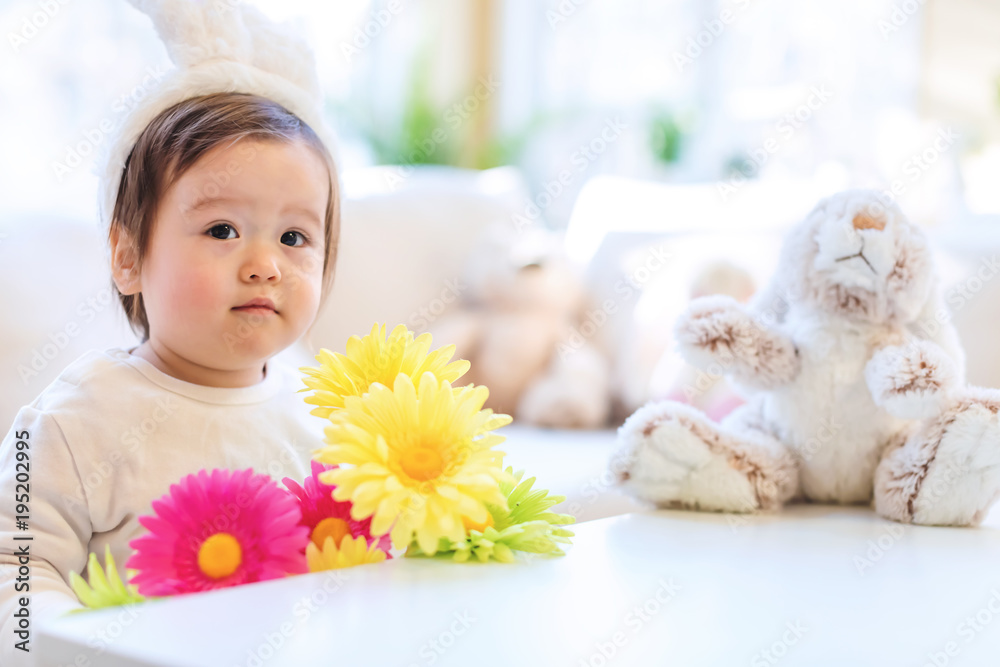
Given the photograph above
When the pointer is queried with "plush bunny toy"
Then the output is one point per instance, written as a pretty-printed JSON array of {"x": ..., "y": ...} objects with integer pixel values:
[{"x": 855, "y": 383}]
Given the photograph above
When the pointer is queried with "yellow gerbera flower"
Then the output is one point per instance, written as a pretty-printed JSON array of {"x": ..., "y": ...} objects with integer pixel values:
[
  {"x": 376, "y": 358},
  {"x": 421, "y": 459},
  {"x": 352, "y": 551}
]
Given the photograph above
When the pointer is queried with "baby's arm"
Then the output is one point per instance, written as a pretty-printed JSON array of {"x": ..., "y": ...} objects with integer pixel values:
[{"x": 58, "y": 521}]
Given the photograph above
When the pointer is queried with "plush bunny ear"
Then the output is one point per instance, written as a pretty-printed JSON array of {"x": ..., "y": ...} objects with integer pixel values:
[
  {"x": 274, "y": 51},
  {"x": 183, "y": 28},
  {"x": 198, "y": 31},
  {"x": 934, "y": 323},
  {"x": 788, "y": 283}
]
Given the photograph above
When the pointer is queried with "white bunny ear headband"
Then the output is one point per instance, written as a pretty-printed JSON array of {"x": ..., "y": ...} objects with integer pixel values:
[{"x": 218, "y": 46}]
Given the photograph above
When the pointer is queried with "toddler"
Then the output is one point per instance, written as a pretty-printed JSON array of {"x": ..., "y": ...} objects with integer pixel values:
[{"x": 221, "y": 206}]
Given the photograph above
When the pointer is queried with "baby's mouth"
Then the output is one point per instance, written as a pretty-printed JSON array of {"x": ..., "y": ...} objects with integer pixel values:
[
  {"x": 255, "y": 309},
  {"x": 257, "y": 306}
]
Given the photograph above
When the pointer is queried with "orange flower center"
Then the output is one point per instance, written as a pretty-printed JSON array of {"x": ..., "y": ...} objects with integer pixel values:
[
  {"x": 330, "y": 527},
  {"x": 472, "y": 525},
  {"x": 220, "y": 555},
  {"x": 422, "y": 463}
]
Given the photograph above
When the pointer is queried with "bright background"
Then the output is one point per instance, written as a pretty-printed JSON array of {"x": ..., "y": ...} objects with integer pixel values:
[
  {"x": 896, "y": 73},
  {"x": 603, "y": 129}
]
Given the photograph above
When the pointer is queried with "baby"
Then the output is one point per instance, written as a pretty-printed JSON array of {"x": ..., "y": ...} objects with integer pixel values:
[{"x": 223, "y": 230}]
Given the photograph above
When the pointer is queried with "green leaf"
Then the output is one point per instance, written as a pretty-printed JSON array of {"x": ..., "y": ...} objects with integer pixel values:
[{"x": 105, "y": 587}]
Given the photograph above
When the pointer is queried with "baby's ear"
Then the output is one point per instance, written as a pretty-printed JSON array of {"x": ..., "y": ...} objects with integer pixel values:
[{"x": 124, "y": 261}]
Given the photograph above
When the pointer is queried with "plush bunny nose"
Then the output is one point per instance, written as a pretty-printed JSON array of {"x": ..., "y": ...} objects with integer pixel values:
[{"x": 865, "y": 221}]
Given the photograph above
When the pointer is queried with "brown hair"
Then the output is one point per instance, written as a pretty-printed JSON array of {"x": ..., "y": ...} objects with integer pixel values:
[{"x": 175, "y": 140}]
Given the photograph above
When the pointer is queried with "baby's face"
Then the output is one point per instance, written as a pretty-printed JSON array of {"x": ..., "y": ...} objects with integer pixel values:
[{"x": 243, "y": 225}]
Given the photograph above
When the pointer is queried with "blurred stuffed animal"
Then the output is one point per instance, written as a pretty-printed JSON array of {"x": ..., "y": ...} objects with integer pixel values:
[{"x": 521, "y": 329}]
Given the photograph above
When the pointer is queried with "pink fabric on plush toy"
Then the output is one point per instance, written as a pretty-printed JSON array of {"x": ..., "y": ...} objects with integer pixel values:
[{"x": 715, "y": 409}]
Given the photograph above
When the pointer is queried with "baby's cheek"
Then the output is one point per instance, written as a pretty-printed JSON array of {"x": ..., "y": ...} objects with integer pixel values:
[
  {"x": 197, "y": 291},
  {"x": 306, "y": 278},
  {"x": 310, "y": 267}
]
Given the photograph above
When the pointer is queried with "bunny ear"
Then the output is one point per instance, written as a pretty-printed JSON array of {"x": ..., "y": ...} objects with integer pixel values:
[
  {"x": 278, "y": 48},
  {"x": 791, "y": 277},
  {"x": 930, "y": 325},
  {"x": 182, "y": 28},
  {"x": 198, "y": 31}
]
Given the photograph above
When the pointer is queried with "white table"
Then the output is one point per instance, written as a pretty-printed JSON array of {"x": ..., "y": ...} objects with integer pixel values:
[
  {"x": 791, "y": 584},
  {"x": 570, "y": 463}
]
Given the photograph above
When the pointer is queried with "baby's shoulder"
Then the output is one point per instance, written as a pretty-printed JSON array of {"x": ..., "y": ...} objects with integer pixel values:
[{"x": 96, "y": 377}]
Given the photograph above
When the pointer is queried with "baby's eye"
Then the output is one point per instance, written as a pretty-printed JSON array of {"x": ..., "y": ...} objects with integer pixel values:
[
  {"x": 223, "y": 232},
  {"x": 292, "y": 238}
]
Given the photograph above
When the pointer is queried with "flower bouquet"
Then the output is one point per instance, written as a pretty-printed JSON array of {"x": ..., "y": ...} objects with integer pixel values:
[{"x": 409, "y": 463}]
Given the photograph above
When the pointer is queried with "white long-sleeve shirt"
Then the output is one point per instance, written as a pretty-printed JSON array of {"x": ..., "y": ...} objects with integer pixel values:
[{"x": 104, "y": 440}]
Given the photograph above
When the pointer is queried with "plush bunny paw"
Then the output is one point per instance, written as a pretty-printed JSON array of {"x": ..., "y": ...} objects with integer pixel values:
[
  {"x": 714, "y": 328},
  {"x": 718, "y": 330},
  {"x": 911, "y": 381}
]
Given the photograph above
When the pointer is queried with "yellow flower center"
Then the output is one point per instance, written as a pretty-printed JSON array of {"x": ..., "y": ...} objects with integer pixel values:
[
  {"x": 422, "y": 463},
  {"x": 220, "y": 555},
  {"x": 330, "y": 527},
  {"x": 472, "y": 525}
]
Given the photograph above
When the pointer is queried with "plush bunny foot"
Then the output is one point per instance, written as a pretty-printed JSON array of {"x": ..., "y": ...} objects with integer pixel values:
[
  {"x": 947, "y": 472},
  {"x": 671, "y": 455}
]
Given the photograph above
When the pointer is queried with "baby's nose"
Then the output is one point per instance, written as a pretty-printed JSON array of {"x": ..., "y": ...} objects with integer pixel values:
[{"x": 867, "y": 221}]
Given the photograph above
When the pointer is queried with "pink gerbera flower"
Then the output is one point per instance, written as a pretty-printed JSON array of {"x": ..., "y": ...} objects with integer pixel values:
[
  {"x": 218, "y": 529},
  {"x": 326, "y": 517}
]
